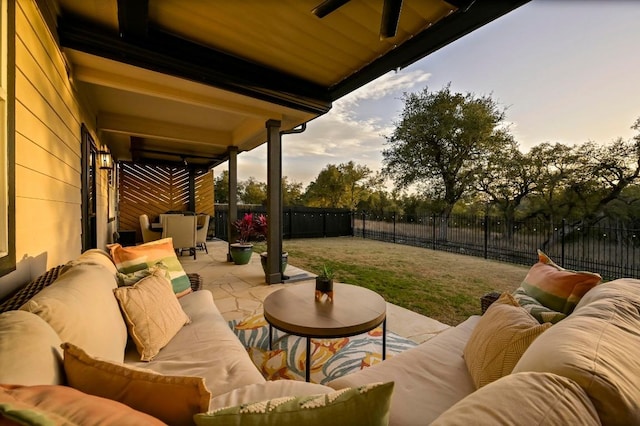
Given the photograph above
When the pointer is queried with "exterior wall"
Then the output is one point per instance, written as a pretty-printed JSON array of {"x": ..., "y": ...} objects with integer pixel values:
[{"x": 49, "y": 114}]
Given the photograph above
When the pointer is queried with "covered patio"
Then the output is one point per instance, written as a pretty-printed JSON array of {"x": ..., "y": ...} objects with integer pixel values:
[{"x": 192, "y": 85}]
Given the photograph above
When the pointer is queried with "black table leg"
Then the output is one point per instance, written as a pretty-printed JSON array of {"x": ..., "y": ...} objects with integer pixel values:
[
  {"x": 307, "y": 373},
  {"x": 270, "y": 336},
  {"x": 384, "y": 339}
]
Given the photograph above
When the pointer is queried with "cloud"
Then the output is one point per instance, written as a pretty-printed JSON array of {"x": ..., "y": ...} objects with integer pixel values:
[{"x": 353, "y": 130}]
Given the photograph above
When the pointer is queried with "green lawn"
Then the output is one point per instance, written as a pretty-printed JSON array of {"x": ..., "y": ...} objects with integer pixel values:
[{"x": 441, "y": 285}]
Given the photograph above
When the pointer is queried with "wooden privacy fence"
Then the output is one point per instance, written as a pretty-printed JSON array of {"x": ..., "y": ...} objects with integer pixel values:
[
  {"x": 298, "y": 222},
  {"x": 155, "y": 189}
]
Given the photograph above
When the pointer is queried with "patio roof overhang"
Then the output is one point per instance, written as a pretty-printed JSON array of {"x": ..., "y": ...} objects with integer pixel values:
[{"x": 188, "y": 80}]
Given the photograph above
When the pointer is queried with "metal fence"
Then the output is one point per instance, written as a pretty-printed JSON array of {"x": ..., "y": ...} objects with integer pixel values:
[
  {"x": 298, "y": 222},
  {"x": 610, "y": 249}
]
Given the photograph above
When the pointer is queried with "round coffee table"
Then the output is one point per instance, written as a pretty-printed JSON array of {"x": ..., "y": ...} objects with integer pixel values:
[{"x": 355, "y": 310}]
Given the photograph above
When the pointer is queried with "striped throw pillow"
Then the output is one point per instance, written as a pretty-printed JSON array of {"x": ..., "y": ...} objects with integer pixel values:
[
  {"x": 557, "y": 288},
  {"x": 537, "y": 309},
  {"x": 144, "y": 256}
]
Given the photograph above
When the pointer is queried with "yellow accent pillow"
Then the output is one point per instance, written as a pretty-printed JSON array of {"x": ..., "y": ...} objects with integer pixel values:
[
  {"x": 172, "y": 399},
  {"x": 500, "y": 338},
  {"x": 152, "y": 312}
]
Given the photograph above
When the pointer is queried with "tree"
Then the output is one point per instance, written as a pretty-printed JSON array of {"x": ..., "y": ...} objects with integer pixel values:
[
  {"x": 221, "y": 187},
  {"x": 341, "y": 186},
  {"x": 291, "y": 192},
  {"x": 253, "y": 192},
  {"x": 441, "y": 140}
]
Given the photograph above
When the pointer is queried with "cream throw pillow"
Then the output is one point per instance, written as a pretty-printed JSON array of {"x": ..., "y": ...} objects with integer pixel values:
[
  {"x": 152, "y": 312},
  {"x": 500, "y": 338},
  {"x": 172, "y": 399}
]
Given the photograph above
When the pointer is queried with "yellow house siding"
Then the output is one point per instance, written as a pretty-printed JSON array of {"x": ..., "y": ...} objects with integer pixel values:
[{"x": 49, "y": 115}]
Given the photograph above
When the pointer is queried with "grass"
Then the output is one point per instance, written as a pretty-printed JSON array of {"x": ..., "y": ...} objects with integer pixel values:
[{"x": 444, "y": 286}]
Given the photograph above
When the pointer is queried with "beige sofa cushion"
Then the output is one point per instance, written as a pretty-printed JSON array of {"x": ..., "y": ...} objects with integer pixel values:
[
  {"x": 152, "y": 312},
  {"x": 92, "y": 256},
  {"x": 429, "y": 378},
  {"x": 541, "y": 399},
  {"x": 267, "y": 390},
  {"x": 596, "y": 347},
  {"x": 502, "y": 335},
  {"x": 172, "y": 399},
  {"x": 206, "y": 348},
  {"x": 81, "y": 308},
  {"x": 29, "y": 350}
]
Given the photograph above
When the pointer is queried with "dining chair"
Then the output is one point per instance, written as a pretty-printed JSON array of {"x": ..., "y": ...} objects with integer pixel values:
[
  {"x": 182, "y": 229},
  {"x": 147, "y": 233},
  {"x": 201, "y": 232}
]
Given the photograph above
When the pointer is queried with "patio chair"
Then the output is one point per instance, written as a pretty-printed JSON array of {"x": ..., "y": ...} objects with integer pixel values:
[
  {"x": 182, "y": 229},
  {"x": 147, "y": 233},
  {"x": 201, "y": 232}
]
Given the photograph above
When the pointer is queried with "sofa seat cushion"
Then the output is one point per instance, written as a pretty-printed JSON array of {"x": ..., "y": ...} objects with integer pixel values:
[
  {"x": 596, "y": 347},
  {"x": 429, "y": 378},
  {"x": 62, "y": 405},
  {"x": 542, "y": 399},
  {"x": 81, "y": 308},
  {"x": 267, "y": 390},
  {"x": 206, "y": 348},
  {"x": 30, "y": 351}
]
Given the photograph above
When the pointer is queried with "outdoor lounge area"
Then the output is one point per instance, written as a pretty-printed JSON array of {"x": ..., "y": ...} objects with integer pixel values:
[{"x": 104, "y": 344}]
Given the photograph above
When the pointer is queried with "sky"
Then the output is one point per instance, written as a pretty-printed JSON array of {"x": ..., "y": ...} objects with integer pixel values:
[{"x": 565, "y": 71}]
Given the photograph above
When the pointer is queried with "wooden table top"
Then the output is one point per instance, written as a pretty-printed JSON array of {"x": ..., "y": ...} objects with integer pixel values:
[{"x": 355, "y": 310}]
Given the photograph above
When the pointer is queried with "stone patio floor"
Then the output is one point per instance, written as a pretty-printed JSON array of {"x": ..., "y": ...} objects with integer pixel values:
[{"x": 239, "y": 290}]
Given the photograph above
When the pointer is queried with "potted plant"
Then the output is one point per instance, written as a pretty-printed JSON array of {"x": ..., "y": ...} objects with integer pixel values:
[
  {"x": 261, "y": 225},
  {"x": 242, "y": 249},
  {"x": 324, "y": 283}
]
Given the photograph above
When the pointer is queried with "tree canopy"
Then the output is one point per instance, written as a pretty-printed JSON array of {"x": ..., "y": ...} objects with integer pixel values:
[{"x": 441, "y": 141}]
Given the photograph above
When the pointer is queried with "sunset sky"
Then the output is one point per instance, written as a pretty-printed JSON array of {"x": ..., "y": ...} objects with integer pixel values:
[{"x": 566, "y": 71}]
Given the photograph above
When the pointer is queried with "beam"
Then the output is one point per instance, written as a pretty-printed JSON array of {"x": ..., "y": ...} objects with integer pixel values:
[
  {"x": 169, "y": 54},
  {"x": 133, "y": 19},
  {"x": 428, "y": 41},
  {"x": 156, "y": 129},
  {"x": 390, "y": 17},
  {"x": 274, "y": 203}
]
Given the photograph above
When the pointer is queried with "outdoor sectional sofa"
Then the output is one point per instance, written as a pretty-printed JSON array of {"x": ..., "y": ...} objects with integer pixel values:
[{"x": 581, "y": 370}]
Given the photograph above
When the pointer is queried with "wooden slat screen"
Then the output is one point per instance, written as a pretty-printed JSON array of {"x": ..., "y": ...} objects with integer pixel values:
[{"x": 156, "y": 189}]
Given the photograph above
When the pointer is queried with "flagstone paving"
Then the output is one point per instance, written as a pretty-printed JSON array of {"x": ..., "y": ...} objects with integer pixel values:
[{"x": 239, "y": 290}]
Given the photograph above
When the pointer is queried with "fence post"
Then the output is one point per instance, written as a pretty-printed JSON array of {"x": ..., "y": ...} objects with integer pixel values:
[
  {"x": 433, "y": 230},
  {"x": 486, "y": 236},
  {"x": 363, "y": 225},
  {"x": 291, "y": 223},
  {"x": 564, "y": 223},
  {"x": 394, "y": 227}
]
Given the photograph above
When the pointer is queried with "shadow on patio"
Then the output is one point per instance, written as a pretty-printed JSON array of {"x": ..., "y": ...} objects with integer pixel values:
[{"x": 239, "y": 290}]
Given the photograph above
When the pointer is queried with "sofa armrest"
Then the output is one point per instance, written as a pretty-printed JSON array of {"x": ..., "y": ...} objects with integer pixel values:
[{"x": 487, "y": 299}]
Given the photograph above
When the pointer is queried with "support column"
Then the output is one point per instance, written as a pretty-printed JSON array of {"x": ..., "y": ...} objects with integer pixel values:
[
  {"x": 233, "y": 198},
  {"x": 192, "y": 189},
  {"x": 274, "y": 202}
]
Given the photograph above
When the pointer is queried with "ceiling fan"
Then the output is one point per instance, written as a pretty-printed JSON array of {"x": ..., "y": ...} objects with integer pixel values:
[{"x": 390, "y": 14}]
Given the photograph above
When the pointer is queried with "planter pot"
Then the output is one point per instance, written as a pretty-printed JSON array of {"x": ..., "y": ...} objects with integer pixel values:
[
  {"x": 241, "y": 253},
  {"x": 324, "y": 286},
  {"x": 283, "y": 261}
]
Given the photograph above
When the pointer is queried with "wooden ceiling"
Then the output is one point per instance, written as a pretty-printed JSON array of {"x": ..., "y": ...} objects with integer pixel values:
[{"x": 176, "y": 80}]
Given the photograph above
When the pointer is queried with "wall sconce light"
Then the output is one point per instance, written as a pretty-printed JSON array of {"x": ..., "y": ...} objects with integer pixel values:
[{"x": 105, "y": 160}]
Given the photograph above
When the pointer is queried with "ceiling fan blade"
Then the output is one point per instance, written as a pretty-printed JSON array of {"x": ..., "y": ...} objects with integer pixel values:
[
  {"x": 390, "y": 18},
  {"x": 327, "y": 6}
]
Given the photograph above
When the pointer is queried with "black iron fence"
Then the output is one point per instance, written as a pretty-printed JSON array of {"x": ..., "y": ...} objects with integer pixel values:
[
  {"x": 611, "y": 248},
  {"x": 298, "y": 222}
]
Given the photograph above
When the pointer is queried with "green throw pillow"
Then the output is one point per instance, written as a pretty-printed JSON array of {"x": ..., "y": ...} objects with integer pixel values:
[
  {"x": 365, "y": 405},
  {"x": 537, "y": 309},
  {"x": 133, "y": 277}
]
